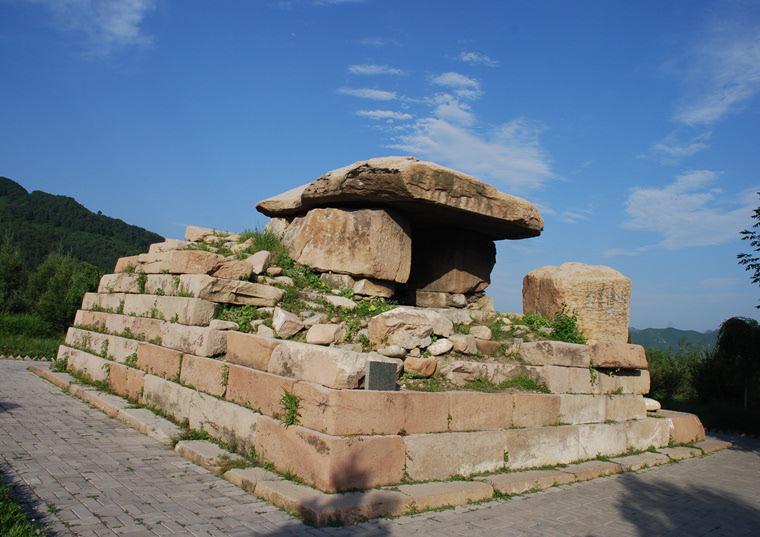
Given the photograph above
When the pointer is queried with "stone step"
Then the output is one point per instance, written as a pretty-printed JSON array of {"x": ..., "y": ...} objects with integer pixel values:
[
  {"x": 201, "y": 286},
  {"x": 176, "y": 309},
  {"x": 320, "y": 508},
  {"x": 115, "y": 347},
  {"x": 197, "y": 340}
]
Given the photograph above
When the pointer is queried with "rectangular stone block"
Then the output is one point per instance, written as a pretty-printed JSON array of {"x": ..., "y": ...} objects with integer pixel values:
[
  {"x": 361, "y": 412},
  {"x": 555, "y": 353},
  {"x": 226, "y": 421},
  {"x": 115, "y": 347},
  {"x": 440, "y": 456},
  {"x": 110, "y": 302},
  {"x": 684, "y": 428},
  {"x": 522, "y": 482},
  {"x": 576, "y": 408},
  {"x": 601, "y": 439},
  {"x": 625, "y": 407},
  {"x": 436, "y": 495},
  {"x": 624, "y": 381},
  {"x": 121, "y": 282},
  {"x": 85, "y": 363},
  {"x": 204, "y": 374},
  {"x": 331, "y": 463},
  {"x": 328, "y": 366},
  {"x": 124, "y": 263},
  {"x": 257, "y": 389},
  {"x": 182, "y": 310},
  {"x": 250, "y": 350},
  {"x": 473, "y": 411},
  {"x": 614, "y": 355},
  {"x": 158, "y": 361},
  {"x": 168, "y": 244},
  {"x": 169, "y": 396},
  {"x": 126, "y": 381},
  {"x": 179, "y": 262},
  {"x": 380, "y": 376},
  {"x": 541, "y": 446},
  {"x": 561, "y": 379},
  {"x": 585, "y": 471},
  {"x": 197, "y": 340},
  {"x": 536, "y": 409},
  {"x": 641, "y": 434}
]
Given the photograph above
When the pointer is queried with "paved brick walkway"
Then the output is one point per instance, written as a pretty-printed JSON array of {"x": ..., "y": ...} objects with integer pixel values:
[{"x": 102, "y": 478}]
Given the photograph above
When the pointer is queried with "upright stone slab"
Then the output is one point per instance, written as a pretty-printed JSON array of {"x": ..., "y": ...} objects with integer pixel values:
[
  {"x": 380, "y": 376},
  {"x": 600, "y": 297},
  {"x": 371, "y": 243}
]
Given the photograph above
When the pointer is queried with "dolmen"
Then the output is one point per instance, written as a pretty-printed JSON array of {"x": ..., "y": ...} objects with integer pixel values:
[{"x": 401, "y": 227}]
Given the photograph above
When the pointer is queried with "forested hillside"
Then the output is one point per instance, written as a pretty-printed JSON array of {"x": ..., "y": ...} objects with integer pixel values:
[
  {"x": 662, "y": 339},
  {"x": 41, "y": 223}
]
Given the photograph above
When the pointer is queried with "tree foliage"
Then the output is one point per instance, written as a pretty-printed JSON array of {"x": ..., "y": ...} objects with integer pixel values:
[
  {"x": 751, "y": 261},
  {"x": 732, "y": 371}
]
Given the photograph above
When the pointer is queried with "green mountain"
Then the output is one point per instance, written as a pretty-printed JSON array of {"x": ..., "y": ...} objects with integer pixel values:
[
  {"x": 663, "y": 338},
  {"x": 41, "y": 223}
]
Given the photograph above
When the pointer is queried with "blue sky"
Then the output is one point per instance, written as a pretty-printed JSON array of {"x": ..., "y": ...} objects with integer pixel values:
[{"x": 633, "y": 126}]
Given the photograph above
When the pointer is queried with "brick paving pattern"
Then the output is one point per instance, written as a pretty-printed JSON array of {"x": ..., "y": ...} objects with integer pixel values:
[{"x": 88, "y": 475}]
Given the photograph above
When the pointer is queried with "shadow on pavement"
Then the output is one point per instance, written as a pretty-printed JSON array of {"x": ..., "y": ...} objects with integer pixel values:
[
  {"x": 6, "y": 406},
  {"x": 669, "y": 509},
  {"x": 26, "y": 499}
]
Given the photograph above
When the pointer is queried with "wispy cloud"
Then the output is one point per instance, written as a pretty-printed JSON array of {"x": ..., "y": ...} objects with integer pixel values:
[
  {"x": 368, "y": 93},
  {"x": 107, "y": 25},
  {"x": 575, "y": 215},
  {"x": 724, "y": 73},
  {"x": 689, "y": 212},
  {"x": 388, "y": 115},
  {"x": 673, "y": 148},
  {"x": 376, "y": 42},
  {"x": 477, "y": 58},
  {"x": 371, "y": 69},
  {"x": 463, "y": 86}
]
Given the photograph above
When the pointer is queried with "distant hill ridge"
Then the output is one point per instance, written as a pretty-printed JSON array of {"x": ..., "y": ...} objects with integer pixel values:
[
  {"x": 663, "y": 338},
  {"x": 42, "y": 222}
]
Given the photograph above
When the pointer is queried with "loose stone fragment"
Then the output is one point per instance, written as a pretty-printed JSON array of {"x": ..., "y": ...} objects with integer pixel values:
[{"x": 286, "y": 324}]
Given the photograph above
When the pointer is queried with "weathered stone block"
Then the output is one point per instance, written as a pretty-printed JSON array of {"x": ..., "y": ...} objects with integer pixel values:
[
  {"x": 601, "y": 439},
  {"x": 331, "y": 463},
  {"x": 464, "y": 343},
  {"x": 126, "y": 381},
  {"x": 555, "y": 353},
  {"x": 373, "y": 243},
  {"x": 85, "y": 363},
  {"x": 684, "y": 428},
  {"x": 439, "y": 456},
  {"x": 361, "y": 412},
  {"x": 374, "y": 288},
  {"x": 196, "y": 233},
  {"x": 565, "y": 379},
  {"x": 408, "y": 327},
  {"x": 158, "y": 361},
  {"x": 541, "y": 446},
  {"x": 625, "y": 407},
  {"x": 204, "y": 374},
  {"x": 168, "y": 244},
  {"x": 614, "y": 355},
  {"x": 634, "y": 381},
  {"x": 536, "y": 410},
  {"x": 460, "y": 372},
  {"x": 228, "y": 422},
  {"x": 473, "y": 411},
  {"x": 124, "y": 263},
  {"x": 599, "y": 296},
  {"x": 196, "y": 340},
  {"x": 641, "y": 434},
  {"x": 328, "y": 366},
  {"x": 174, "y": 399},
  {"x": 187, "y": 311},
  {"x": 575, "y": 409},
  {"x": 250, "y": 350},
  {"x": 585, "y": 471},
  {"x": 462, "y": 263},
  {"x": 257, "y": 389},
  {"x": 435, "y": 495},
  {"x": 115, "y": 347},
  {"x": 436, "y": 299},
  {"x": 531, "y": 480}
]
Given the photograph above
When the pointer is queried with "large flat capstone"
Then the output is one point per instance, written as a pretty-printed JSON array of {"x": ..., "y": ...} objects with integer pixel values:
[{"x": 424, "y": 192}]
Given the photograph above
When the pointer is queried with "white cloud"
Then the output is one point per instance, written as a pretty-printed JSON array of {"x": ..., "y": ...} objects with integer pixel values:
[
  {"x": 574, "y": 215},
  {"x": 384, "y": 114},
  {"x": 509, "y": 155},
  {"x": 724, "y": 74},
  {"x": 368, "y": 93},
  {"x": 718, "y": 283},
  {"x": 106, "y": 24},
  {"x": 371, "y": 69},
  {"x": 463, "y": 86},
  {"x": 688, "y": 212},
  {"x": 673, "y": 148},
  {"x": 477, "y": 58}
]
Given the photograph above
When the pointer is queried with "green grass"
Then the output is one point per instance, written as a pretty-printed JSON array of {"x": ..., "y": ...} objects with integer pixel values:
[
  {"x": 13, "y": 520},
  {"x": 21, "y": 345},
  {"x": 523, "y": 382}
]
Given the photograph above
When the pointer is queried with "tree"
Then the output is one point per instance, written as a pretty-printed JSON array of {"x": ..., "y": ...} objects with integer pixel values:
[
  {"x": 13, "y": 277},
  {"x": 752, "y": 262},
  {"x": 734, "y": 366}
]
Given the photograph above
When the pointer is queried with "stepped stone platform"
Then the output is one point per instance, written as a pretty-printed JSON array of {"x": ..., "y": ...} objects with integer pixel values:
[
  {"x": 322, "y": 509},
  {"x": 152, "y": 334}
]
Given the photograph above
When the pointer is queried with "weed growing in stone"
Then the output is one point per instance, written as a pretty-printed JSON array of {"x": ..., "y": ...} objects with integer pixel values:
[{"x": 289, "y": 404}]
